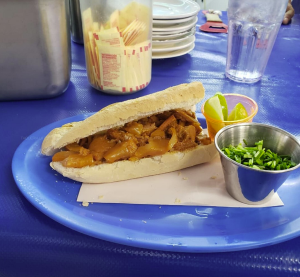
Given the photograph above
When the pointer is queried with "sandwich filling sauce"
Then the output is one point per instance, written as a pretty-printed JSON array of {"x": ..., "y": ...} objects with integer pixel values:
[{"x": 175, "y": 130}]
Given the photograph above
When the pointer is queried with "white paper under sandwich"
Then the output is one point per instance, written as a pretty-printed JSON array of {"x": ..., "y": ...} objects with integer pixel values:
[{"x": 201, "y": 185}]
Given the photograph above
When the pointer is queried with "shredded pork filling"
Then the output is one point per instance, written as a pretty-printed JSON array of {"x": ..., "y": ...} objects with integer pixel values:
[{"x": 175, "y": 130}]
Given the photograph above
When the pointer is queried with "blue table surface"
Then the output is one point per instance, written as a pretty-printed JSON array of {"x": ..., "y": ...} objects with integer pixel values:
[{"x": 31, "y": 244}]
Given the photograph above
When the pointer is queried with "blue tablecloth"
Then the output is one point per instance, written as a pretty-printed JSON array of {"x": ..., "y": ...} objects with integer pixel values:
[{"x": 31, "y": 244}]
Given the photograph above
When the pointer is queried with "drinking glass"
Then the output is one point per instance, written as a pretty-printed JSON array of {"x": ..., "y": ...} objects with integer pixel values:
[{"x": 252, "y": 30}]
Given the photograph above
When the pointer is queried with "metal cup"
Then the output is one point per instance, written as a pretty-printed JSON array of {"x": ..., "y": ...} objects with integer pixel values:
[
  {"x": 249, "y": 185},
  {"x": 35, "y": 51}
]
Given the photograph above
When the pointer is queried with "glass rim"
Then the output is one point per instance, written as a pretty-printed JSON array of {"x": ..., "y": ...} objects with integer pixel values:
[{"x": 232, "y": 121}]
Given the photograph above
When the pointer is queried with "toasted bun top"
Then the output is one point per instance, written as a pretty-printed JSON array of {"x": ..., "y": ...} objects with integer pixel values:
[{"x": 183, "y": 96}]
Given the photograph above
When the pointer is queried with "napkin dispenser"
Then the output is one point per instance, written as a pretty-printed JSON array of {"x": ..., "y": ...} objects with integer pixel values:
[{"x": 35, "y": 60}]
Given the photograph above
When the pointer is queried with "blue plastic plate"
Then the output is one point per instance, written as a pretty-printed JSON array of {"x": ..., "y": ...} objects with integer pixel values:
[{"x": 171, "y": 228}]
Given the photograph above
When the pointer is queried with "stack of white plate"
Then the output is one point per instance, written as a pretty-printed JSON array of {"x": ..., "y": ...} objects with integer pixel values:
[{"x": 174, "y": 27}]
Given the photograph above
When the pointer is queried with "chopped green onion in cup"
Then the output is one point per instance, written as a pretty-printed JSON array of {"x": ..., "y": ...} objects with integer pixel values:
[{"x": 258, "y": 157}]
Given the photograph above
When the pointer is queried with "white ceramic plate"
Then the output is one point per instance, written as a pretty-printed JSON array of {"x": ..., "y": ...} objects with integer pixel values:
[
  {"x": 172, "y": 32},
  {"x": 173, "y": 47},
  {"x": 162, "y": 37},
  {"x": 174, "y": 9},
  {"x": 177, "y": 27},
  {"x": 172, "y": 54},
  {"x": 170, "y": 42},
  {"x": 171, "y": 21}
]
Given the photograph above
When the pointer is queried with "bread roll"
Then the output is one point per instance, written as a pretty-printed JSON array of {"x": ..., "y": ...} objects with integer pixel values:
[{"x": 184, "y": 96}]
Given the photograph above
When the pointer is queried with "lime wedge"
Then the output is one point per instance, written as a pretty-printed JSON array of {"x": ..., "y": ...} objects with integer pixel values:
[
  {"x": 239, "y": 112},
  {"x": 223, "y": 103},
  {"x": 213, "y": 108}
]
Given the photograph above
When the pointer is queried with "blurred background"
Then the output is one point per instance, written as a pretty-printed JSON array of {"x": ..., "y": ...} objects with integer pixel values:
[
  {"x": 220, "y": 5},
  {"x": 223, "y": 4}
]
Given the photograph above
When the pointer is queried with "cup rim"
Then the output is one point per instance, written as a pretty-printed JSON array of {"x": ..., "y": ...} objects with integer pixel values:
[
  {"x": 257, "y": 124},
  {"x": 232, "y": 121}
]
